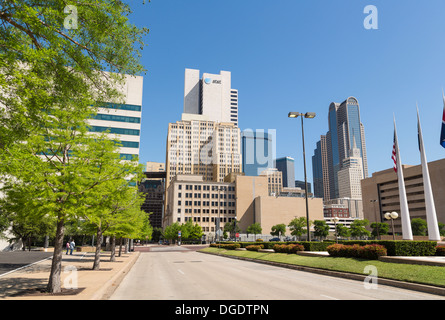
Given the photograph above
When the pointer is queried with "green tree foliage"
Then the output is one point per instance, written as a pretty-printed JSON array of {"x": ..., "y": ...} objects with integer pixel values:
[
  {"x": 298, "y": 226},
  {"x": 52, "y": 78},
  {"x": 278, "y": 230},
  {"x": 379, "y": 229},
  {"x": 358, "y": 229},
  {"x": 254, "y": 228},
  {"x": 47, "y": 61},
  {"x": 419, "y": 227},
  {"x": 321, "y": 229}
]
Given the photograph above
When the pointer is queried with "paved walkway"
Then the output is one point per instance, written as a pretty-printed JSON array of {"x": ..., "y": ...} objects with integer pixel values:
[{"x": 76, "y": 268}]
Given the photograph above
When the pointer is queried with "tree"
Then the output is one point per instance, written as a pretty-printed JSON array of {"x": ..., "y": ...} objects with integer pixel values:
[
  {"x": 379, "y": 229},
  {"x": 321, "y": 229},
  {"x": 52, "y": 78},
  {"x": 358, "y": 228},
  {"x": 298, "y": 226},
  {"x": 278, "y": 230},
  {"x": 419, "y": 227},
  {"x": 47, "y": 61},
  {"x": 230, "y": 227},
  {"x": 343, "y": 231},
  {"x": 254, "y": 228}
]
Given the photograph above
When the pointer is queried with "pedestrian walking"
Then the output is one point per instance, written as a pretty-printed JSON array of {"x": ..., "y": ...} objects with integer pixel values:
[
  {"x": 72, "y": 246},
  {"x": 67, "y": 247}
]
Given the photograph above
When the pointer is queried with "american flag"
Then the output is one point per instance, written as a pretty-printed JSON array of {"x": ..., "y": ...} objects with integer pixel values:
[{"x": 394, "y": 153}]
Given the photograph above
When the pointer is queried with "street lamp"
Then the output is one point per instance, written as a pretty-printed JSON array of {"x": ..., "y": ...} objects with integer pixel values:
[
  {"x": 392, "y": 216},
  {"x": 308, "y": 115},
  {"x": 336, "y": 220}
]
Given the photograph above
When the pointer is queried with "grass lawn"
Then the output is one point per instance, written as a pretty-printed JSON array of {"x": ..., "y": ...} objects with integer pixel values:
[{"x": 404, "y": 272}]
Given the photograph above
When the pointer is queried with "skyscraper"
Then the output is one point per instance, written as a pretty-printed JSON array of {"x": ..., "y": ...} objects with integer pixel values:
[
  {"x": 258, "y": 151},
  {"x": 211, "y": 96},
  {"x": 340, "y": 149},
  {"x": 287, "y": 166},
  {"x": 123, "y": 120}
]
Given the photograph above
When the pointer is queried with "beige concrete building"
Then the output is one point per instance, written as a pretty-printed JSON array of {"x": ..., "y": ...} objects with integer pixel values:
[
  {"x": 190, "y": 197},
  {"x": 274, "y": 180},
  {"x": 200, "y": 147},
  {"x": 245, "y": 198},
  {"x": 155, "y": 166},
  {"x": 381, "y": 193}
]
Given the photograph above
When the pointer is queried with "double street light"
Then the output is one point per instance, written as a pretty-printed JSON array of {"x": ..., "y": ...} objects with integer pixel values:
[{"x": 308, "y": 115}]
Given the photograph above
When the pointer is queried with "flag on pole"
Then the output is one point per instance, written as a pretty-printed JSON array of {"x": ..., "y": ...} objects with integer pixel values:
[
  {"x": 394, "y": 153},
  {"x": 442, "y": 135},
  {"x": 407, "y": 232},
  {"x": 431, "y": 216}
]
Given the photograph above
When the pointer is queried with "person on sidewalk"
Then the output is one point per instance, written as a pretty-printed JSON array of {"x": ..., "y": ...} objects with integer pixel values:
[
  {"x": 72, "y": 245},
  {"x": 67, "y": 247}
]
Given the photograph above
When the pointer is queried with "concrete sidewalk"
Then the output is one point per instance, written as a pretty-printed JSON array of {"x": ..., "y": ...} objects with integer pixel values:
[{"x": 92, "y": 284}]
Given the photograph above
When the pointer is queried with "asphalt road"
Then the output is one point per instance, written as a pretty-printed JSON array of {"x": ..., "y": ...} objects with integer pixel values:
[{"x": 168, "y": 274}]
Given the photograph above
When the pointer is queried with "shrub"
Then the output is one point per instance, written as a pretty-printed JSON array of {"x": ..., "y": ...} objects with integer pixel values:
[
  {"x": 227, "y": 246},
  {"x": 440, "y": 251},
  {"x": 370, "y": 252},
  {"x": 401, "y": 247},
  {"x": 255, "y": 247},
  {"x": 288, "y": 248}
]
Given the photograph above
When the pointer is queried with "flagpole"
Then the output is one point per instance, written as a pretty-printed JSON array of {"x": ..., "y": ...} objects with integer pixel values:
[
  {"x": 431, "y": 217},
  {"x": 407, "y": 233}
]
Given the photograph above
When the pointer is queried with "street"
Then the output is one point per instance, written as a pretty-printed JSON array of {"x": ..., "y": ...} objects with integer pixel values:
[{"x": 177, "y": 273}]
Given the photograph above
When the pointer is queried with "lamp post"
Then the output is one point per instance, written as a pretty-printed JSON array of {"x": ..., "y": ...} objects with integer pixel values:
[
  {"x": 308, "y": 115},
  {"x": 336, "y": 220},
  {"x": 392, "y": 216}
]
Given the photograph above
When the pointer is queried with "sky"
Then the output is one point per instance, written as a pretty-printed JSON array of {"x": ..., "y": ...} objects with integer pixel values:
[{"x": 300, "y": 55}]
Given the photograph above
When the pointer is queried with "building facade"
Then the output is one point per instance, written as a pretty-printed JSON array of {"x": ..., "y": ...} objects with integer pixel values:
[
  {"x": 381, "y": 193},
  {"x": 340, "y": 161},
  {"x": 258, "y": 151},
  {"x": 190, "y": 197},
  {"x": 287, "y": 166},
  {"x": 211, "y": 96},
  {"x": 123, "y": 120}
]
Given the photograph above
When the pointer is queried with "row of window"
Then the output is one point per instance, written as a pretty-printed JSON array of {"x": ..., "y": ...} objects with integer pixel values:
[
  {"x": 131, "y": 132},
  {"x": 120, "y": 106},
  {"x": 207, "y": 203},
  {"x": 205, "y": 187},
  {"x": 206, "y": 219},
  {"x": 110, "y": 117}
]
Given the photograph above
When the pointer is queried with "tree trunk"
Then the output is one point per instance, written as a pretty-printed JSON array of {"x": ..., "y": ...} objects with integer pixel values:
[
  {"x": 126, "y": 245},
  {"x": 54, "y": 283},
  {"x": 113, "y": 249},
  {"x": 96, "y": 264},
  {"x": 120, "y": 247}
]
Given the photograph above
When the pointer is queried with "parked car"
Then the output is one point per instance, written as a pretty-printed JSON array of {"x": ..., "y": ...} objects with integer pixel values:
[{"x": 274, "y": 239}]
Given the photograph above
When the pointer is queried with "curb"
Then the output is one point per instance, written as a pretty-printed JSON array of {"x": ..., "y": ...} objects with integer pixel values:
[
  {"x": 105, "y": 292},
  {"x": 352, "y": 276}
]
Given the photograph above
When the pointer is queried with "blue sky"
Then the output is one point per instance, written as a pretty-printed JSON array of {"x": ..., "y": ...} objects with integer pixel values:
[{"x": 300, "y": 55}]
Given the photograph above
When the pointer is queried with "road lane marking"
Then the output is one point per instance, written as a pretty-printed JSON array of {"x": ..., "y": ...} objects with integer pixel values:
[{"x": 180, "y": 271}]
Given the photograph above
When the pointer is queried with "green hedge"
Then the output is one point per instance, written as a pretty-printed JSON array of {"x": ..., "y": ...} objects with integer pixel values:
[
  {"x": 227, "y": 246},
  {"x": 288, "y": 248},
  {"x": 369, "y": 251},
  {"x": 308, "y": 246},
  {"x": 254, "y": 247},
  {"x": 440, "y": 251},
  {"x": 400, "y": 247},
  {"x": 394, "y": 248}
]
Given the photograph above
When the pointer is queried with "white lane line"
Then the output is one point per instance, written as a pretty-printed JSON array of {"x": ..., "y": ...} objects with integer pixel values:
[{"x": 180, "y": 271}]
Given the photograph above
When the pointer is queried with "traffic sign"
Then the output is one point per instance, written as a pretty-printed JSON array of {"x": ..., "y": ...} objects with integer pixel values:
[
  {"x": 179, "y": 234},
  {"x": 237, "y": 235}
]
